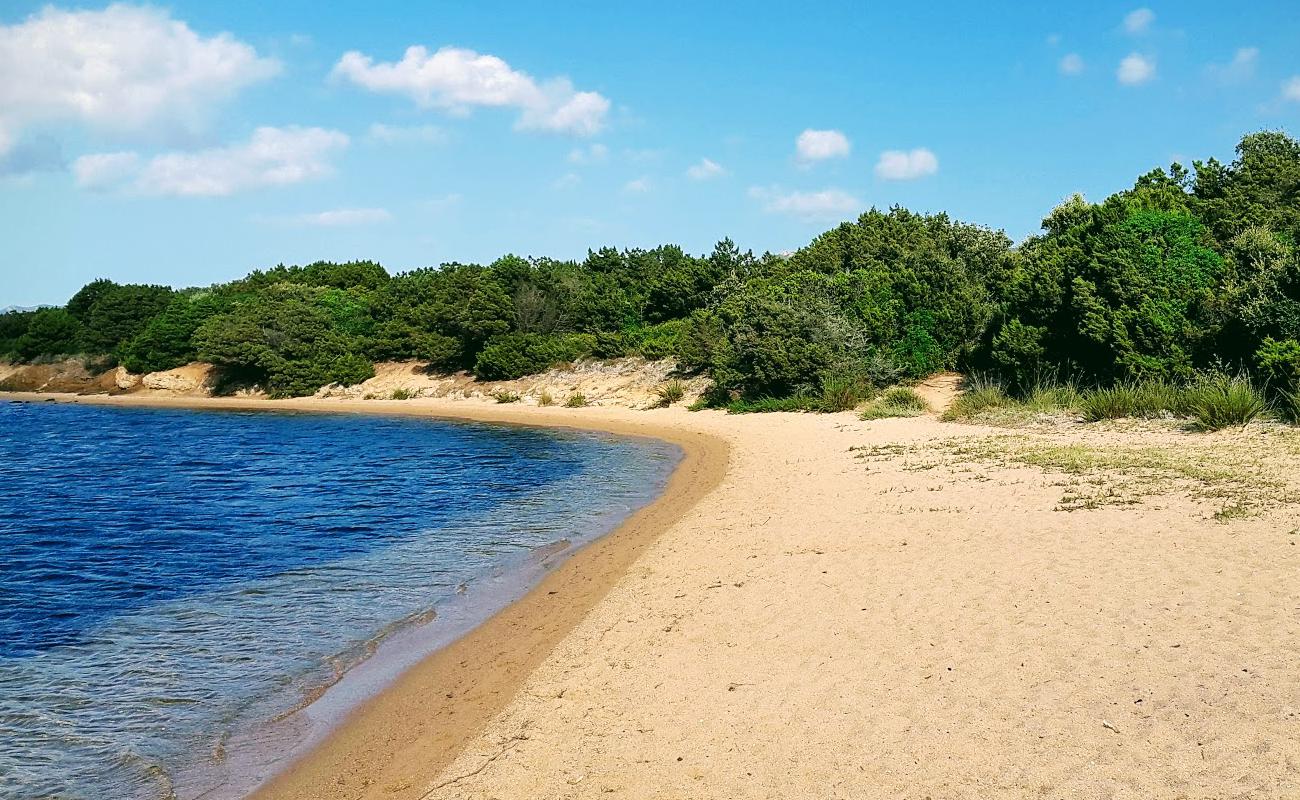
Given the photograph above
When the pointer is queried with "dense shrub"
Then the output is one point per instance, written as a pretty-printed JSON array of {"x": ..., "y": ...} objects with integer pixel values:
[
  {"x": 515, "y": 355},
  {"x": 50, "y": 332},
  {"x": 290, "y": 337}
]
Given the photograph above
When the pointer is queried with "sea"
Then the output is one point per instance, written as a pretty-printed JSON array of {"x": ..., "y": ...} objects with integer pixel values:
[{"x": 189, "y": 599}]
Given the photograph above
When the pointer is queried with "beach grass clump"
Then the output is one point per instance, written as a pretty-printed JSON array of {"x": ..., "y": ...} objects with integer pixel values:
[
  {"x": 576, "y": 400},
  {"x": 1145, "y": 399},
  {"x": 900, "y": 401},
  {"x": 980, "y": 395},
  {"x": 506, "y": 397},
  {"x": 545, "y": 398},
  {"x": 403, "y": 393},
  {"x": 1221, "y": 402},
  {"x": 842, "y": 393},
  {"x": 671, "y": 392},
  {"x": 800, "y": 401}
]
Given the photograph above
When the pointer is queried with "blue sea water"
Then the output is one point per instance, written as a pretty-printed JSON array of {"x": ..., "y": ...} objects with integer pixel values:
[{"x": 169, "y": 578}]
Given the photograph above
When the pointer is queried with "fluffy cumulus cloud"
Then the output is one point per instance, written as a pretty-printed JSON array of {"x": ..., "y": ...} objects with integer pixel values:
[
  {"x": 124, "y": 70},
  {"x": 1135, "y": 69},
  {"x": 906, "y": 165},
  {"x": 813, "y": 146},
  {"x": 271, "y": 157},
  {"x": 1241, "y": 68},
  {"x": 458, "y": 80},
  {"x": 1291, "y": 89},
  {"x": 1139, "y": 21},
  {"x": 1071, "y": 64},
  {"x": 819, "y": 206},
  {"x": 704, "y": 170}
]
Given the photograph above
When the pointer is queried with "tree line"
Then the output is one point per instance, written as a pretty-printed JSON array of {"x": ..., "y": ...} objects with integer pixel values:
[{"x": 1189, "y": 270}]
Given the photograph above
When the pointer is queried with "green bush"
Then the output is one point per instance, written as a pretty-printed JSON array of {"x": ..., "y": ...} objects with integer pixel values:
[
  {"x": 576, "y": 400},
  {"x": 402, "y": 393},
  {"x": 506, "y": 397},
  {"x": 50, "y": 332},
  {"x": 515, "y": 355},
  {"x": 1220, "y": 402},
  {"x": 842, "y": 393},
  {"x": 671, "y": 392}
]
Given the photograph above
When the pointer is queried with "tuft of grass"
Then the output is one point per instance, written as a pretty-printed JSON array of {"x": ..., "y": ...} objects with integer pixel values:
[
  {"x": 1288, "y": 407},
  {"x": 1142, "y": 399},
  {"x": 767, "y": 405},
  {"x": 841, "y": 394},
  {"x": 545, "y": 398},
  {"x": 900, "y": 401},
  {"x": 979, "y": 395},
  {"x": 403, "y": 393},
  {"x": 506, "y": 397},
  {"x": 671, "y": 392},
  {"x": 576, "y": 400},
  {"x": 1220, "y": 402},
  {"x": 700, "y": 404}
]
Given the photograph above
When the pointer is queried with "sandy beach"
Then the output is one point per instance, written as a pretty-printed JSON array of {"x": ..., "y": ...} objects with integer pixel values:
[{"x": 820, "y": 606}]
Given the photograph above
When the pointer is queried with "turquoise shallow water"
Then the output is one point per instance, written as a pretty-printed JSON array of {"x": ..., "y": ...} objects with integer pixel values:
[{"x": 171, "y": 580}]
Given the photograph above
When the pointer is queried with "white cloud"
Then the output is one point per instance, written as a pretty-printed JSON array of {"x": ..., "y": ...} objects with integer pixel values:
[
  {"x": 567, "y": 181},
  {"x": 271, "y": 157},
  {"x": 1139, "y": 21},
  {"x": 457, "y": 79},
  {"x": 1071, "y": 64},
  {"x": 124, "y": 70},
  {"x": 1053, "y": 39},
  {"x": 594, "y": 154},
  {"x": 705, "y": 169},
  {"x": 397, "y": 134},
  {"x": 340, "y": 217},
  {"x": 906, "y": 165},
  {"x": 1291, "y": 89},
  {"x": 814, "y": 145},
  {"x": 824, "y": 205},
  {"x": 1135, "y": 69},
  {"x": 637, "y": 186},
  {"x": 1240, "y": 68},
  {"x": 105, "y": 170}
]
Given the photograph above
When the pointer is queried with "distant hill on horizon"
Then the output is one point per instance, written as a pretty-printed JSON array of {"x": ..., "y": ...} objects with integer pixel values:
[{"x": 9, "y": 309}]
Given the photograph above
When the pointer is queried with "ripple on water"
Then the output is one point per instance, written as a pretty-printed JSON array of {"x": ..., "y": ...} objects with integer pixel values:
[{"x": 169, "y": 577}]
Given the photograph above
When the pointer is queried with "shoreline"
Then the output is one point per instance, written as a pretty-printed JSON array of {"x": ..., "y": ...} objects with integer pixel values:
[
  {"x": 833, "y": 607},
  {"x": 418, "y": 723}
]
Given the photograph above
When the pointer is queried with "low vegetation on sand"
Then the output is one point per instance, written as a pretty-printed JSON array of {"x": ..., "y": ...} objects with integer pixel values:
[
  {"x": 671, "y": 392},
  {"x": 900, "y": 401},
  {"x": 1209, "y": 402},
  {"x": 576, "y": 400}
]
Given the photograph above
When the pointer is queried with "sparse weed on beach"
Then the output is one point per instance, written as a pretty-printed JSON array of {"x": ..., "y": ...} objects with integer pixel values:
[
  {"x": 402, "y": 393},
  {"x": 576, "y": 400},
  {"x": 506, "y": 397}
]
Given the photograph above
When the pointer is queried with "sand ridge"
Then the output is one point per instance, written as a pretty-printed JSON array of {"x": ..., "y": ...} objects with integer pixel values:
[{"x": 830, "y": 612}]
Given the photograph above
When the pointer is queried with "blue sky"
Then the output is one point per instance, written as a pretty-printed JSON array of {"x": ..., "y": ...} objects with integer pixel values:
[{"x": 203, "y": 140}]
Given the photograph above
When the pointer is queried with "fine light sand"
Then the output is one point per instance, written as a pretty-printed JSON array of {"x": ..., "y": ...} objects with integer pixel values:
[{"x": 821, "y": 607}]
